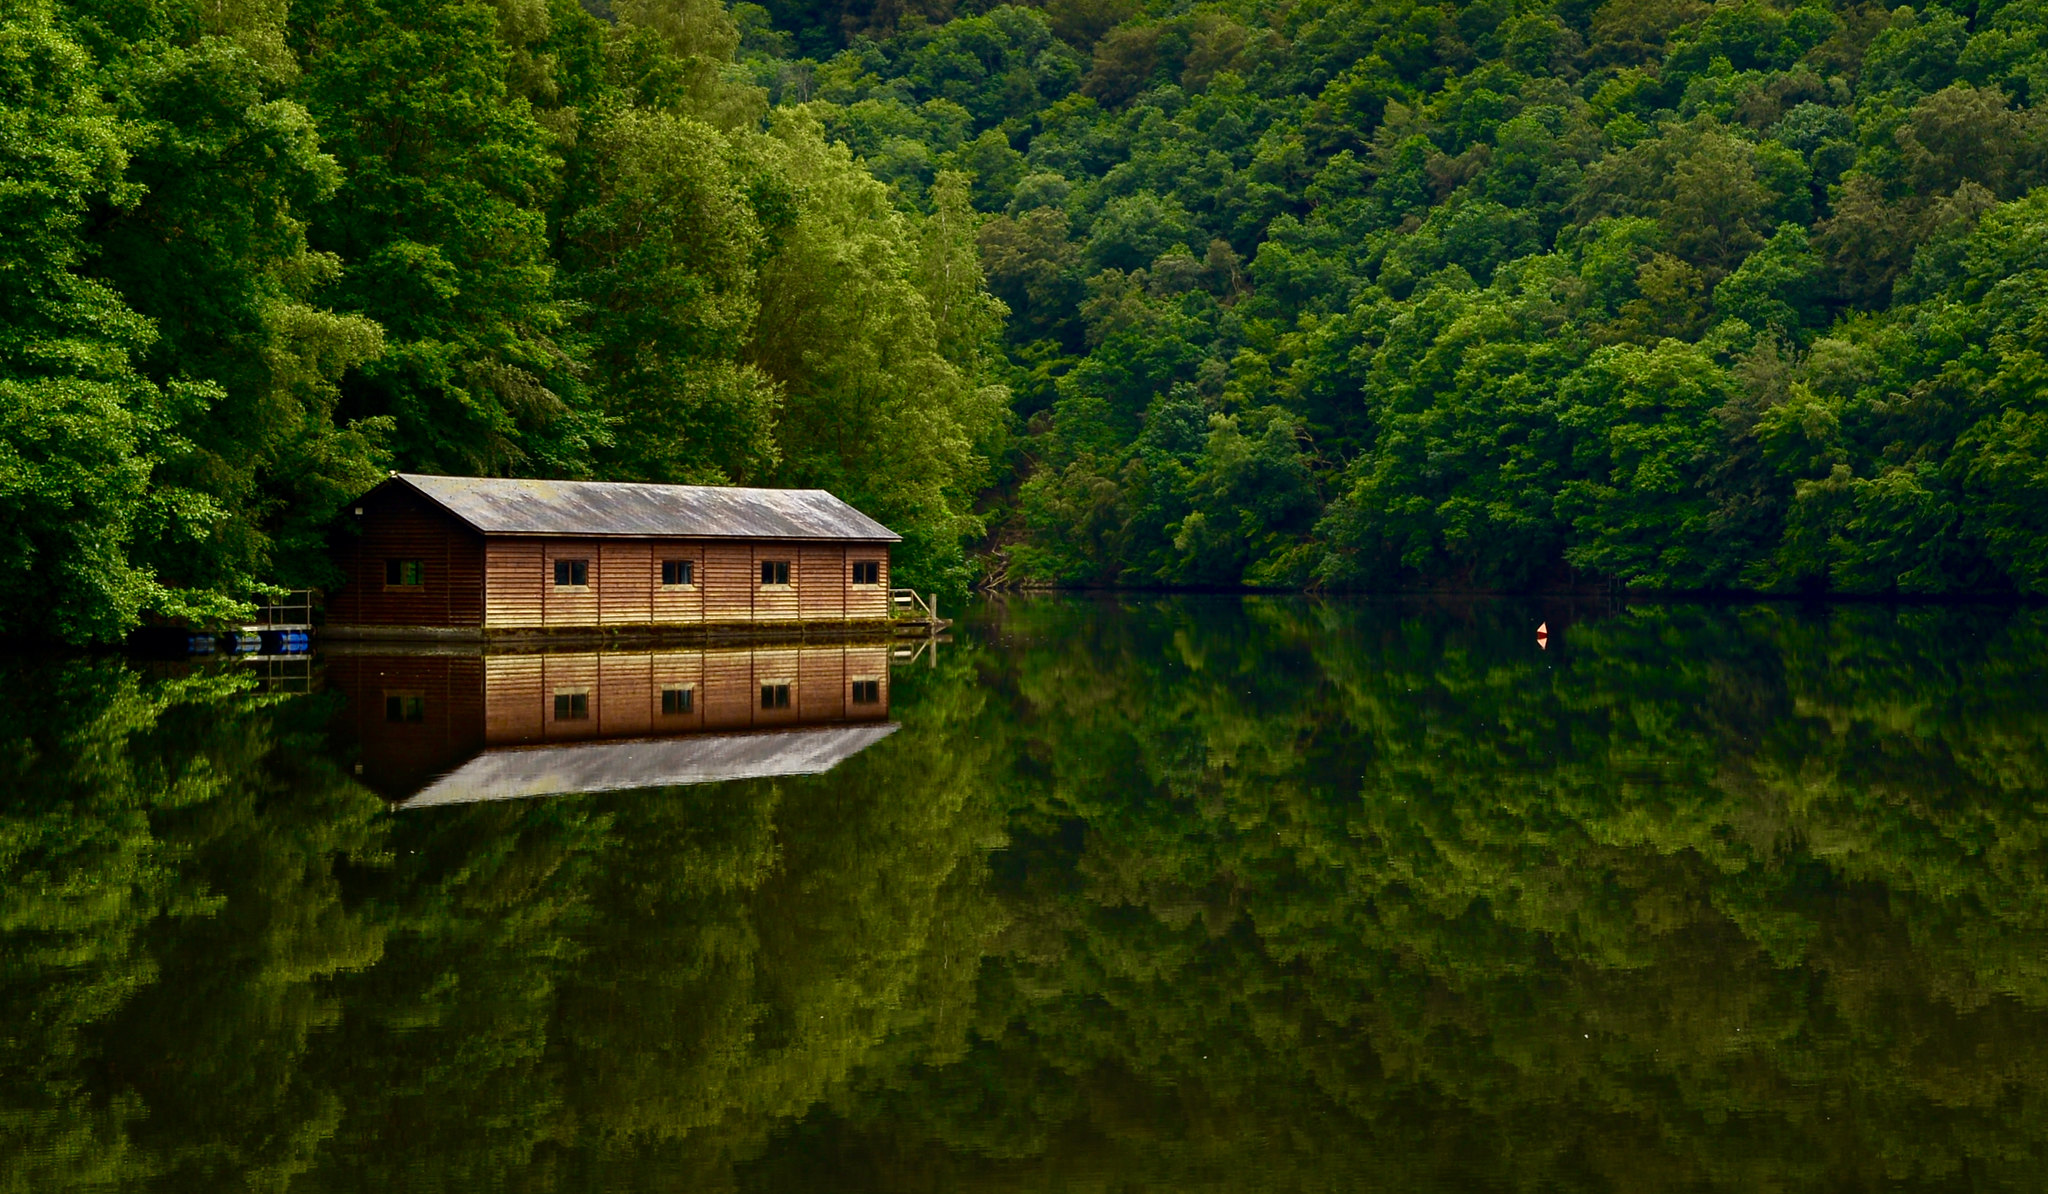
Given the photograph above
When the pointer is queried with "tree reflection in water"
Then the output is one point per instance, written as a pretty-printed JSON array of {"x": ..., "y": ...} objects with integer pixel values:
[{"x": 1191, "y": 894}]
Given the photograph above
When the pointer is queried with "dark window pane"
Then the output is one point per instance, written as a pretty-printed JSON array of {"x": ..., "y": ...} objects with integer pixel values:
[
  {"x": 775, "y": 696},
  {"x": 405, "y": 572},
  {"x": 572, "y": 572},
  {"x": 572, "y": 706},
  {"x": 867, "y": 692},
  {"x": 678, "y": 572},
  {"x": 774, "y": 572},
  {"x": 405, "y": 707},
  {"x": 678, "y": 700},
  {"x": 867, "y": 572}
]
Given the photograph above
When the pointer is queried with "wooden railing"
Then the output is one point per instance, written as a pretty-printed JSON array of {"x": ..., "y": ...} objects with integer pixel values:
[
  {"x": 909, "y": 604},
  {"x": 293, "y": 610}
]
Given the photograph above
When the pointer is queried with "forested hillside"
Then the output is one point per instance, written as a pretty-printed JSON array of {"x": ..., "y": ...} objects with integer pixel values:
[
  {"x": 257, "y": 252},
  {"x": 1334, "y": 292},
  {"x": 1377, "y": 292}
]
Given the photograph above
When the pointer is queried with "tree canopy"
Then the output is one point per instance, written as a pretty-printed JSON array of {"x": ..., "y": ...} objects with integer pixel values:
[
  {"x": 259, "y": 253},
  {"x": 1675, "y": 296},
  {"x": 1386, "y": 293}
]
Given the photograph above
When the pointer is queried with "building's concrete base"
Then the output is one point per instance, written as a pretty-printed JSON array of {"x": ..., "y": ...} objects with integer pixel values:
[{"x": 555, "y": 638}]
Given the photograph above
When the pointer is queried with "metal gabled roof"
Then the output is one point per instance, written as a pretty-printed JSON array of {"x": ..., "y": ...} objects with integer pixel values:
[
  {"x": 501, "y": 506},
  {"x": 516, "y": 773}
]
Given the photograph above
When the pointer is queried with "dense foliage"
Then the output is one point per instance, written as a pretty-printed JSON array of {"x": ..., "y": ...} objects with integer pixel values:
[
  {"x": 1231, "y": 896},
  {"x": 1668, "y": 293},
  {"x": 1382, "y": 293},
  {"x": 258, "y": 252}
]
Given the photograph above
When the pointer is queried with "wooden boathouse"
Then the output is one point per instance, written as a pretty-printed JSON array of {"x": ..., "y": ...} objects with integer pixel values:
[{"x": 473, "y": 558}]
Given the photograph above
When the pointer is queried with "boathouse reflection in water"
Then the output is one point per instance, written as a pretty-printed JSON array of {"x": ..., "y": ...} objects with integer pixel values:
[{"x": 441, "y": 727}]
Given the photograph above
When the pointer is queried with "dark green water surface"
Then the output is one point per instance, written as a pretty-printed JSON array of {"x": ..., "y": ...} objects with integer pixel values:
[{"x": 1192, "y": 894}]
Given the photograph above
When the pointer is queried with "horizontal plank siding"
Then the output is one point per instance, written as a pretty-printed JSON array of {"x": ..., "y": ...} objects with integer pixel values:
[
  {"x": 867, "y": 663},
  {"x": 568, "y": 605},
  {"x": 821, "y": 595},
  {"x": 678, "y": 605},
  {"x": 512, "y": 699},
  {"x": 395, "y": 525},
  {"x": 681, "y": 671},
  {"x": 506, "y": 583},
  {"x": 515, "y": 584},
  {"x": 822, "y": 682},
  {"x": 625, "y": 681},
  {"x": 729, "y": 694},
  {"x": 777, "y": 603},
  {"x": 773, "y": 669},
  {"x": 867, "y": 602},
  {"x": 625, "y": 583},
  {"x": 420, "y": 716},
  {"x": 729, "y": 581},
  {"x": 569, "y": 675},
  {"x": 398, "y": 753}
]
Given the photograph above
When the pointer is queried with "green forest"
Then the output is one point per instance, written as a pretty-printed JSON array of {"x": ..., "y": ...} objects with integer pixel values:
[{"x": 1497, "y": 295}]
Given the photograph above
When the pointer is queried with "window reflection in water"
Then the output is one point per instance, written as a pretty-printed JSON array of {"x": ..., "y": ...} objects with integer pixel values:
[{"x": 452, "y": 732}]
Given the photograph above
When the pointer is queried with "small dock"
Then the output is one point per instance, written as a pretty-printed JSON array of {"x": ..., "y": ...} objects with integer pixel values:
[
  {"x": 912, "y": 614},
  {"x": 281, "y": 627}
]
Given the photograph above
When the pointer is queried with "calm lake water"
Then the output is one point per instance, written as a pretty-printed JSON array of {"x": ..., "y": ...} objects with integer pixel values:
[{"x": 1108, "y": 895}]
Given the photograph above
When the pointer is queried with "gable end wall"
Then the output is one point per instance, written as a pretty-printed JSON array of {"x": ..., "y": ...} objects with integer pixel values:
[{"x": 396, "y": 524}]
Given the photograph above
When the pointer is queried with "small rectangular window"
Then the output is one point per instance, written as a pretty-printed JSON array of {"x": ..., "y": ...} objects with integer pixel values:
[
  {"x": 572, "y": 706},
  {"x": 678, "y": 700},
  {"x": 775, "y": 696},
  {"x": 405, "y": 573},
  {"x": 405, "y": 706},
  {"x": 867, "y": 692},
  {"x": 774, "y": 572},
  {"x": 867, "y": 572},
  {"x": 678, "y": 572},
  {"x": 572, "y": 573}
]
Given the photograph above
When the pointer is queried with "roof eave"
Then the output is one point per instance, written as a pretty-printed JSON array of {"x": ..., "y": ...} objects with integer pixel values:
[
  {"x": 437, "y": 503},
  {"x": 681, "y": 538}
]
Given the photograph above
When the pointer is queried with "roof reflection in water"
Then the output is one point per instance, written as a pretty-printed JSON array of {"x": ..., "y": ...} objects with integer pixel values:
[
  {"x": 648, "y": 763},
  {"x": 452, "y": 727}
]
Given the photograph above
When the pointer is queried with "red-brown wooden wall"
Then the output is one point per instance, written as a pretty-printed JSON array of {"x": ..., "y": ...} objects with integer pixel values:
[
  {"x": 470, "y": 702},
  {"x": 398, "y": 525},
  {"x": 622, "y": 691},
  {"x": 508, "y": 583},
  {"x": 625, "y": 586},
  {"x": 400, "y": 755}
]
